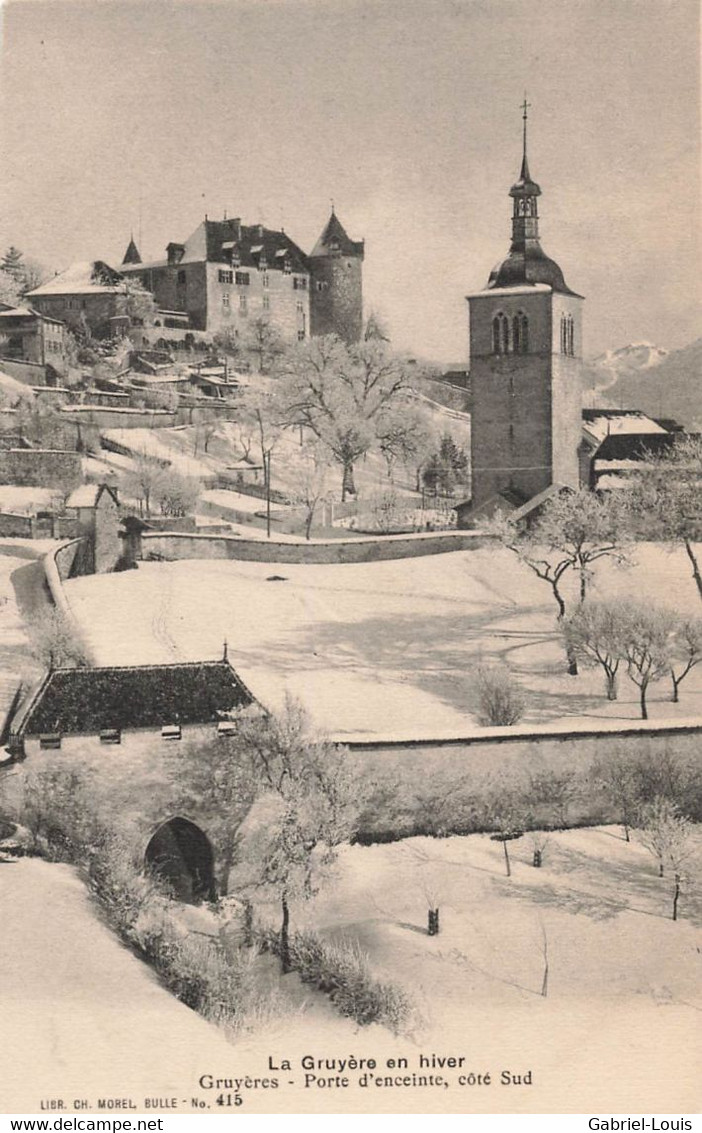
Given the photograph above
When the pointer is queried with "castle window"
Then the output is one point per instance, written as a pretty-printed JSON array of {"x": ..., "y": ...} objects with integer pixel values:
[
  {"x": 500, "y": 334},
  {"x": 225, "y": 276},
  {"x": 320, "y": 285},
  {"x": 243, "y": 278},
  {"x": 265, "y": 280},
  {"x": 300, "y": 283},
  {"x": 181, "y": 277},
  {"x": 266, "y": 302},
  {"x": 301, "y": 336},
  {"x": 243, "y": 305},
  {"x": 225, "y": 299}
]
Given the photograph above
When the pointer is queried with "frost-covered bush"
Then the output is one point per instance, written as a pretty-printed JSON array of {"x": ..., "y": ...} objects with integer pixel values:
[
  {"x": 341, "y": 970},
  {"x": 501, "y": 699}
]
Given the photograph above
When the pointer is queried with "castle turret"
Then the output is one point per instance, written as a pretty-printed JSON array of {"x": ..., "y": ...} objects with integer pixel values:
[
  {"x": 336, "y": 297},
  {"x": 131, "y": 256}
]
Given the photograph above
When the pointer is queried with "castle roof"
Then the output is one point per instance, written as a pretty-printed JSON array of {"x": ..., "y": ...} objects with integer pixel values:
[
  {"x": 251, "y": 241},
  {"x": 335, "y": 239},
  {"x": 90, "y": 700}
]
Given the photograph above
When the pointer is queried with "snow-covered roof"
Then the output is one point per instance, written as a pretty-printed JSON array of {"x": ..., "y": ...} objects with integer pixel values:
[
  {"x": 496, "y": 293},
  {"x": 605, "y": 423},
  {"x": 87, "y": 495},
  {"x": 86, "y": 277}
]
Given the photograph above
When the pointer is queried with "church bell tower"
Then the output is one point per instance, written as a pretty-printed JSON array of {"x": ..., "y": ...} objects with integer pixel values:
[{"x": 525, "y": 359}]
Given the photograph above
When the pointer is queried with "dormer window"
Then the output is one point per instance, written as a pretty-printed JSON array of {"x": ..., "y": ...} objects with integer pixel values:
[{"x": 171, "y": 732}]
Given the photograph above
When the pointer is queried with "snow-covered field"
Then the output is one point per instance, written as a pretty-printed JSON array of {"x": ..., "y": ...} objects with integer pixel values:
[
  {"x": 378, "y": 648},
  {"x": 622, "y": 976}
]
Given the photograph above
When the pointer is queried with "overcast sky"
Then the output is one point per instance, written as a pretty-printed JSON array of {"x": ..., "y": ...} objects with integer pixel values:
[{"x": 405, "y": 112}]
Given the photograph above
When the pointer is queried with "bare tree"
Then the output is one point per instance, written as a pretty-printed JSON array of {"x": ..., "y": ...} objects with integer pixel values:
[
  {"x": 573, "y": 531},
  {"x": 309, "y": 483},
  {"x": 686, "y": 651},
  {"x": 508, "y": 815},
  {"x": 139, "y": 304},
  {"x": 177, "y": 495},
  {"x": 660, "y": 827},
  {"x": 665, "y": 501},
  {"x": 680, "y": 850},
  {"x": 617, "y": 774},
  {"x": 143, "y": 482},
  {"x": 344, "y": 395},
  {"x": 262, "y": 410},
  {"x": 648, "y": 647},
  {"x": 596, "y": 634},
  {"x": 307, "y": 804},
  {"x": 53, "y": 641},
  {"x": 265, "y": 342},
  {"x": 539, "y": 841},
  {"x": 205, "y": 430}
]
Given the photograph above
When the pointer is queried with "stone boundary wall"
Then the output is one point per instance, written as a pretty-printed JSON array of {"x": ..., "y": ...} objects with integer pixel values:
[
  {"x": 172, "y": 546},
  {"x": 57, "y": 567},
  {"x": 411, "y": 775}
]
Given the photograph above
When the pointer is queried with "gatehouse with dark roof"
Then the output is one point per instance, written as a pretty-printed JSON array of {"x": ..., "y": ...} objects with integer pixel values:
[{"x": 110, "y": 704}]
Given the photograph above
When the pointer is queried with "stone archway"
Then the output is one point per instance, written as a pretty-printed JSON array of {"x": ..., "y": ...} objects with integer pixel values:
[{"x": 180, "y": 855}]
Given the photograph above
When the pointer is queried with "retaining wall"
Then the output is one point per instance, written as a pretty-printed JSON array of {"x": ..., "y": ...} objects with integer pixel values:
[
  {"x": 172, "y": 546},
  {"x": 40, "y": 468},
  {"x": 18, "y": 526}
]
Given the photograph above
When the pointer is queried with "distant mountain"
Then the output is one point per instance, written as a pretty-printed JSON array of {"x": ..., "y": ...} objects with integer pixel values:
[{"x": 642, "y": 376}]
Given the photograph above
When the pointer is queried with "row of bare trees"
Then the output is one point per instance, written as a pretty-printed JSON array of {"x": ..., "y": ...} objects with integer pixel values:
[{"x": 648, "y": 641}]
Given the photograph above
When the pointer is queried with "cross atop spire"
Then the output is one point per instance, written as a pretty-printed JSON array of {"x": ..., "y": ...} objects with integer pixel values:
[{"x": 526, "y": 106}]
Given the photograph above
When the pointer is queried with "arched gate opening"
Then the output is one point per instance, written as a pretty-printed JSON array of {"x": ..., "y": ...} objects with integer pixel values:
[{"x": 180, "y": 855}]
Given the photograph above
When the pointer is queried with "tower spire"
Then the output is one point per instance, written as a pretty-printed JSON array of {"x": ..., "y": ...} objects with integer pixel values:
[{"x": 526, "y": 106}]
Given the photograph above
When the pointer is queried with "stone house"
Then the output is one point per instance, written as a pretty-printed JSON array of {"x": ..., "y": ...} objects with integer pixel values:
[
  {"x": 32, "y": 337},
  {"x": 96, "y": 509},
  {"x": 87, "y": 295}
]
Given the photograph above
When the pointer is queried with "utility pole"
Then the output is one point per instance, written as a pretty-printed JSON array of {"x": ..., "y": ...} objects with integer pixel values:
[{"x": 267, "y": 470}]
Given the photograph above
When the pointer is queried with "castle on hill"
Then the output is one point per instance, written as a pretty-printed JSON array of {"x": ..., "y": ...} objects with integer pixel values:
[{"x": 226, "y": 275}]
